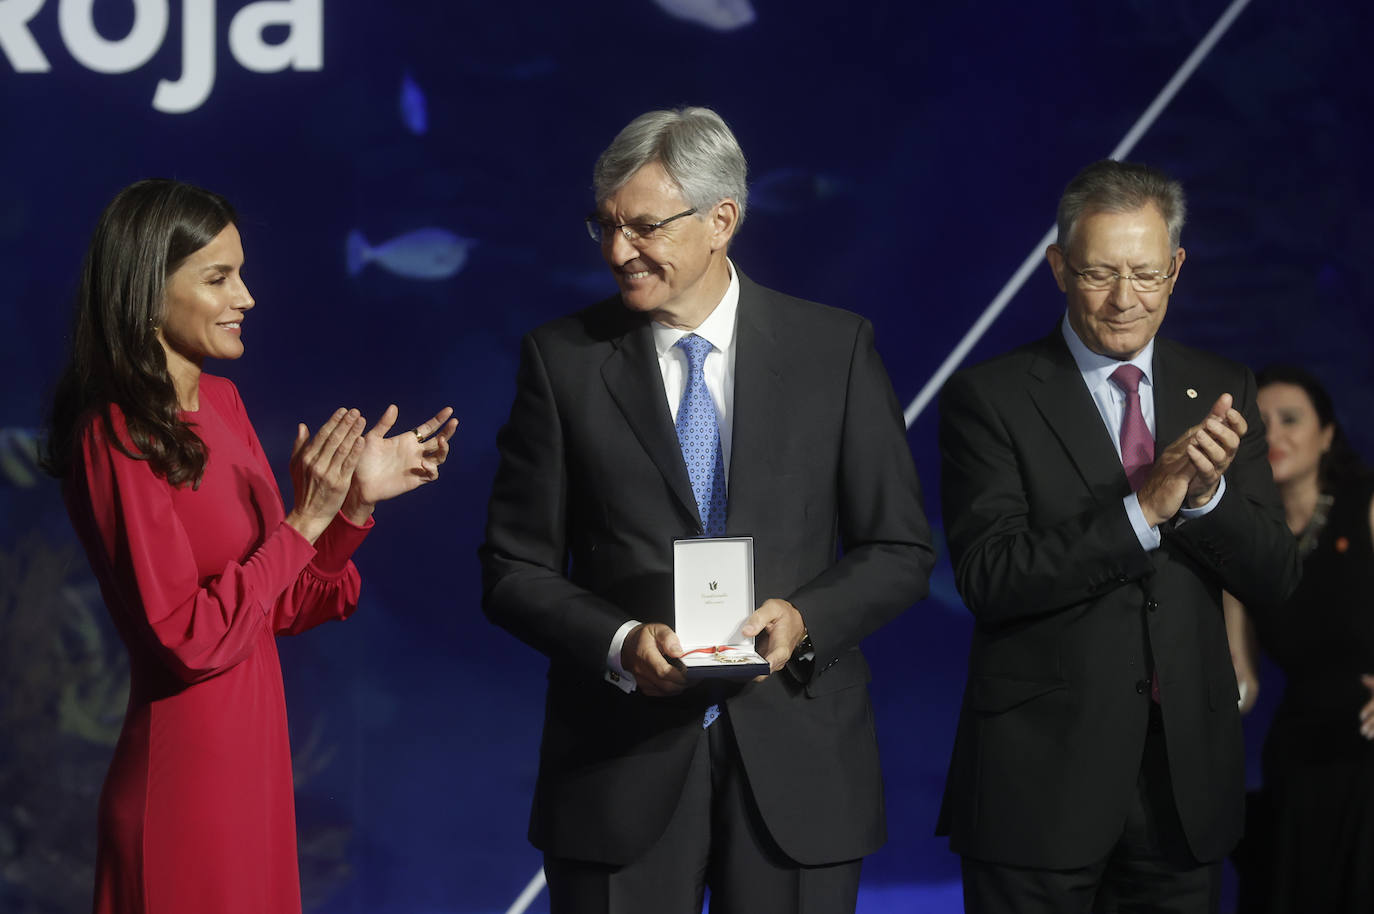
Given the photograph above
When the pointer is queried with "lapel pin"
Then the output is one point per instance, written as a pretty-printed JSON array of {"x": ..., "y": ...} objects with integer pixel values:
[{"x": 1192, "y": 394}]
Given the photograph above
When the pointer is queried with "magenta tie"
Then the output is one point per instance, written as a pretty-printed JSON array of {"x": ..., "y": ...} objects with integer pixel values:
[
  {"x": 1137, "y": 444},
  {"x": 1137, "y": 449}
]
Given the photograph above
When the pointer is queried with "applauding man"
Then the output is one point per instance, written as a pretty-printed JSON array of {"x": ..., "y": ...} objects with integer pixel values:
[{"x": 1100, "y": 488}]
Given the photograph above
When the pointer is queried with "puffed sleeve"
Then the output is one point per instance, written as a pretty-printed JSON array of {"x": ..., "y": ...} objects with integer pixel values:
[
  {"x": 143, "y": 556},
  {"x": 328, "y": 587}
]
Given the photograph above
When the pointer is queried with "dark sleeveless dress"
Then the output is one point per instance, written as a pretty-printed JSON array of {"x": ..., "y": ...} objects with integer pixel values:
[{"x": 1309, "y": 843}]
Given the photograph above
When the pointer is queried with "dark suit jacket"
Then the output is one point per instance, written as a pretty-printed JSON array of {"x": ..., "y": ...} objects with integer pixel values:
[
  {"x": 590, "y": 493},
  {"x": 1069, "y": 608}
]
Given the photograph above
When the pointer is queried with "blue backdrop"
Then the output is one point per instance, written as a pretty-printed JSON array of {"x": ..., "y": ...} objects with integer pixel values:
[{"x": 412, "y": 177}]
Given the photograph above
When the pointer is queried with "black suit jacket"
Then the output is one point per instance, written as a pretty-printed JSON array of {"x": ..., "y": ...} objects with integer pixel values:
[
  {"x": 1070, "y": 609},
  {"x": 590, "y": 493}
]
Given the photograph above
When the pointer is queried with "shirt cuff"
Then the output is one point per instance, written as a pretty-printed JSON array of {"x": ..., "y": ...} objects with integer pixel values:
[
  {"x": 1185, "y": 514},
  {"x": 337, "y": 544},
  {"x": 615, "y": 673},
  {"x": 1147, "y": 535}
]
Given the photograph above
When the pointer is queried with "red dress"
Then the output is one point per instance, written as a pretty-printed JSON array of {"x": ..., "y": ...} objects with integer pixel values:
[{"x": 197, "y": 813}]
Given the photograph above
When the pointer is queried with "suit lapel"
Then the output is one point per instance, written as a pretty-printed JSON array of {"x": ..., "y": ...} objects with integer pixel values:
[
  {"x": 1175, "y": 411},
  {"x": 633, "y": 379},
  {"x": 1059, "y": 393},
  {"x": 759, "y": 407}
]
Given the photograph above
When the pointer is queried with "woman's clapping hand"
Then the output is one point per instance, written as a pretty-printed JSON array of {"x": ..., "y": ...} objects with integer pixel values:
[
  {"x": 393, "y": 466},
  {"x": 322, "y": 470}
]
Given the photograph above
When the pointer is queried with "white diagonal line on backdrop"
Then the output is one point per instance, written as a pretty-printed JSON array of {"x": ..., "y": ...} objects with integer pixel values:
[
  {"x": 527, "y": 897},
  {"x": 1018, "y": 279}
]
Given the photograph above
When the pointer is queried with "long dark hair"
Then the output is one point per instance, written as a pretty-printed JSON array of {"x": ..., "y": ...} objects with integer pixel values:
[
  {"x": 143, "y": 235},
  {"x": 1341, "y": 463}
]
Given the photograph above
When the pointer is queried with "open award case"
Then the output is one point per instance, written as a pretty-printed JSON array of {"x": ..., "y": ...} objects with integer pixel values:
[{"x": 713, "y": 595}]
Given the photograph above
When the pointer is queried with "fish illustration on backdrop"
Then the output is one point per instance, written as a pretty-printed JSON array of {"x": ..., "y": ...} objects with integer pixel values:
[
  {"x": 721, "y": 15},
  {"x": 789, "y": 190},
  {"x": 414, "y": 108},
  {"x": 19, "y": 457},
  {"x": 427, "y": 253}
]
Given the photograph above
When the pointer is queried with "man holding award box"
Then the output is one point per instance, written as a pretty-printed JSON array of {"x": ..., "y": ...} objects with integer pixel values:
[
  {"x": 675, "y": 452},
  {"x": 713, "y": 600}
]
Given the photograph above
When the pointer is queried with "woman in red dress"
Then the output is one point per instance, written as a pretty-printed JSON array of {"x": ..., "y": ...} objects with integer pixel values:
[{"x": 199, "y": 563}]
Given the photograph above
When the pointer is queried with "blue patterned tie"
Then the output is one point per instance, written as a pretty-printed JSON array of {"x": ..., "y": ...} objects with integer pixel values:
[{"x": 698, "y": 434}]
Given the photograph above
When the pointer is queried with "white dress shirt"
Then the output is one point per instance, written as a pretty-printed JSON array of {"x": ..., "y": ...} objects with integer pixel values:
[
  {"x": 719, "y": 330},
  {"x": 1111, "y": 405},
  {"x": 719, "y": 369}
]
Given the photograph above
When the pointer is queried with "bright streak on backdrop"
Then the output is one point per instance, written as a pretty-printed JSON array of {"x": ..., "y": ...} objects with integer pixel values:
[{"x": 1036, "y": 256}]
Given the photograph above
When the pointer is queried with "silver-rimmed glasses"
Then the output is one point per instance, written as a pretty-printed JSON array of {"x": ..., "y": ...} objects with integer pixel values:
[
  {"x": 601, "y": 230},
  {"x": 1102, "y": 278}
]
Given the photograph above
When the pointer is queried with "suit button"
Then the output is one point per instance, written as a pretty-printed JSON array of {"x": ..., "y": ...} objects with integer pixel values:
[
  {"x": 1151, "y": 606},
  {"x": 1142, "y": 686},
  {"x": 1121, "y": 579}
]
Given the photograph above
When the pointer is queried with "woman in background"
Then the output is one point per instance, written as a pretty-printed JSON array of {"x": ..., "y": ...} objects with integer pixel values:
[
  {"x": 1309, "y": 844},
  {"x": 198, "y": 562}
]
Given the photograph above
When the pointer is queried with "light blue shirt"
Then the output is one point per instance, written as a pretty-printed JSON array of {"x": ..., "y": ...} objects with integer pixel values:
[{"x": 1111, "y": 405}]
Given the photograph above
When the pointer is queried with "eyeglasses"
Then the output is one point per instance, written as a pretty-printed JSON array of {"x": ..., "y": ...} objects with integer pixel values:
[
  {"x": 1103, "y": 278},
  {"x": 602, "y": 230}
]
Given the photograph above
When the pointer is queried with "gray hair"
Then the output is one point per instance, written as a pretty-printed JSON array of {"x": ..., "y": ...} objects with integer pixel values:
[
  {"x": 1121, "y": 187},
  {"x": 694, "y": 146}
]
